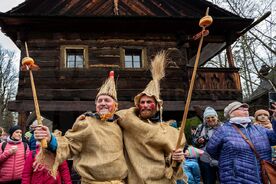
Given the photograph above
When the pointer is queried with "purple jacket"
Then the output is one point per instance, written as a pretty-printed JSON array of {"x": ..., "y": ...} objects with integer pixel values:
[{"x": 237, "y": 162}]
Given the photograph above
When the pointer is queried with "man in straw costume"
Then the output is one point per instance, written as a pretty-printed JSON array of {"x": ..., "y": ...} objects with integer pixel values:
[
  {"x": 95, "y": 142},
  {"x": 149, "y": 142}
]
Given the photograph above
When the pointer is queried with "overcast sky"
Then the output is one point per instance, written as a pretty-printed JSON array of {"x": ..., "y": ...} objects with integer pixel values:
[{"x": 6, "y": 5}]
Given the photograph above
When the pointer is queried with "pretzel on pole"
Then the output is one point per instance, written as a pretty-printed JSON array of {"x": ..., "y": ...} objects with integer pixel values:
[
  {"x": 29, "y": 64},
  {"x": 204, "y": 22}
]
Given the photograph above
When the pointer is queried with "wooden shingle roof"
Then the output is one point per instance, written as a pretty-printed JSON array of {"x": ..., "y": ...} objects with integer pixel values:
[
  {"x": 178, "y": 17},
  {"x": 159, "y": 8}
]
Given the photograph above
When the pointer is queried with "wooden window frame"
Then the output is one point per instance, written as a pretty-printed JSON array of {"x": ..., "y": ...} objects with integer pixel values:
[
  {"x": 144, "y": 62},
  {"x": 63, "y": 49}
]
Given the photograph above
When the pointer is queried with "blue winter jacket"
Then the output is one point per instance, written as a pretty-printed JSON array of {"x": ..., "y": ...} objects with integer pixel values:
[
  {"x": 32, "y": 142},
  {"x": 237, "y": 162}
]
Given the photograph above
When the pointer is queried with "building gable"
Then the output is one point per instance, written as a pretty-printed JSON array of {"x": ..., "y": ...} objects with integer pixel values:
[{"x": 153, "y": 8}]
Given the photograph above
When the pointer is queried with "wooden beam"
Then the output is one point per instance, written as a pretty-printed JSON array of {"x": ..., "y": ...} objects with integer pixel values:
[
  {"x": 27, "y": 105},
  {"x": 208, "y": 52},
  {"x": 230, "y": 57},
  {"x": 22, "y": 118}
]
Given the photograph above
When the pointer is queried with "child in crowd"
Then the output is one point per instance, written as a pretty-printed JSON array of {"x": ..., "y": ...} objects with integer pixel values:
[
  {"x": 190, "y": 166},
  {"x": 262, "y": 118},
  {"x": 40, "y": 175},
  {"x": 28, "y": 136}
]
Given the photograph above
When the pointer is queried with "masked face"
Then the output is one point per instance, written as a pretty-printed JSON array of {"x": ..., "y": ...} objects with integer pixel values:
[
  {"x": 147, "y": 107},
  {"x": 105, "y": 105},
  {"x": 17, "y": 135}
]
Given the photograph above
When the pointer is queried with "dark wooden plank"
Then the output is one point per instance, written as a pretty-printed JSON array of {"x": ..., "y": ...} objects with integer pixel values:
[
  {"x": 73, "y": 94},
  {"x": 124, "y": 94},
  {"x": 205, "y": 80},
  {"x": 27, "y": 105},
  {"x": 103, "y": 72}
]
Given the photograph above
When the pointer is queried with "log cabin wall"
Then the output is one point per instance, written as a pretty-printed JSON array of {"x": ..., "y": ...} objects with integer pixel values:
[
  {"x": 50, "y": 27},
  {"x": 102, "y": 49},
  {"x": 104, "y": 53},
  {"x": 58, "y": 84},
  {"x": 55, "y": 82}
]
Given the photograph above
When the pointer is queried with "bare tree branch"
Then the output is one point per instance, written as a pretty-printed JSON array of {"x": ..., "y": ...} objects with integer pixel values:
[{"x": 8, "y": 85}]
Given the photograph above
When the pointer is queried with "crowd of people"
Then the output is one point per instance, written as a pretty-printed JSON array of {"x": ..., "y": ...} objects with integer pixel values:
[
  {"x": 136, "y": 146},
  {"x": 226, "y": 156},
  {"x": 16, "y": 162}
]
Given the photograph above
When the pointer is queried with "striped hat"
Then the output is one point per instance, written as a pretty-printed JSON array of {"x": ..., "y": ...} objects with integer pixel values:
[{"x": 194, "y": 152}]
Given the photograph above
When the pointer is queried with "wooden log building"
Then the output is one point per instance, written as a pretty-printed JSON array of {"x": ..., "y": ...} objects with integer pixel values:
[{"x": 77, "y": 42}]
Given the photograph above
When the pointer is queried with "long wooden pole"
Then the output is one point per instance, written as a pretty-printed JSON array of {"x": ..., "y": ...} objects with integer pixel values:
[
  {"x": 240, "y": 33},
  {"x": 188, "y": 101},
  {"x": 37, "y": 110}
]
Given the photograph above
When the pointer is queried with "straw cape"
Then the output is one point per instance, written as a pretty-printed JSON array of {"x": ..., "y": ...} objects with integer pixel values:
[
  {"x": 149, "y": 144},
  {"x": 95, "y": 145}
]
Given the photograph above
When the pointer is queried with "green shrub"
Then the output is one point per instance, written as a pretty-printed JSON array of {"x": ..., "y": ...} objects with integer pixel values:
[{"x": 194, "y": 121}]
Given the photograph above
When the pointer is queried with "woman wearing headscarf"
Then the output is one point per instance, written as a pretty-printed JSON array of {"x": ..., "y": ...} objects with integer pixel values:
[
  {"x": 208, "y": 165},
  {"x": 12, "y": 158},
  {"x": 237, "y": 161}
]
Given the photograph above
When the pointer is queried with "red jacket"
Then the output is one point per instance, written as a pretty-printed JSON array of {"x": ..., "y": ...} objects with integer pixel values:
[
  {"x": 43, "y": 176},
  {"x": 11, "y": 165}
]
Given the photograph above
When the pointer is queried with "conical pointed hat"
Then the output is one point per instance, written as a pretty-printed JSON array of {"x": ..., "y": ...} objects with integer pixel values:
[
  {"x": 108, "y": 87},
  {"x": 157, "y": 72}
]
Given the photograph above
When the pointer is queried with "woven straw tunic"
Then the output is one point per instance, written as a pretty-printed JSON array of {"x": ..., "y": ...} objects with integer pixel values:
[
  {"x": 147, "y": 145},
  {"x": 97, "y": 150}
]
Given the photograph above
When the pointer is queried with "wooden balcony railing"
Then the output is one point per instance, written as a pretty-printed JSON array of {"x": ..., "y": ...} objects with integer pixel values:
[{"x": 70, "y": 85}]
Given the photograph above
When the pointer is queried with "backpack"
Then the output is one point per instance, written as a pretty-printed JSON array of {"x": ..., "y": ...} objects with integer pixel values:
[
  {"x": 4, "y": 144},
  {"x": 33, "y": 153}
]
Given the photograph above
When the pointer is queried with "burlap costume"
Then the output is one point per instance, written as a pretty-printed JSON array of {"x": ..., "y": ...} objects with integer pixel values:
[
  {"x": 149, "y": 144},
  {"x": 97, "y": 150},
  {"x": 96, "y": 146}
]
